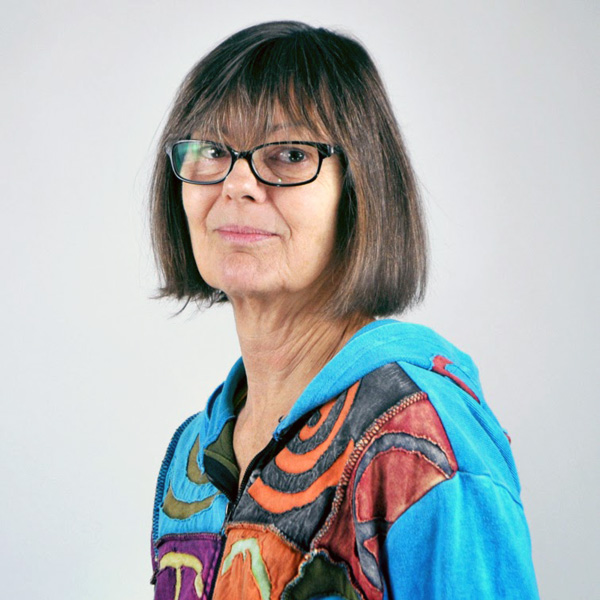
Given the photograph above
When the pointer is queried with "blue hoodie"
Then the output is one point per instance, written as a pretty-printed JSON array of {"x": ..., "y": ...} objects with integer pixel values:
[{"x": 389, "y": 478}]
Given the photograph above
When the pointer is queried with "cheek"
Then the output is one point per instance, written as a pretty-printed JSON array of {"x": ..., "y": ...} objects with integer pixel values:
[
  {"x": 196, "y": 208},
  {"x": 327, "y": 218},
  {"x": 196, "y": 214},
  {"x": 316, "y": 230}
]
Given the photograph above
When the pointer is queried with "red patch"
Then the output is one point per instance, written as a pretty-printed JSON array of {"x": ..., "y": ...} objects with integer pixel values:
[
  {"x": 392, "y": 483},
  {"x": 439, "y": 366},
  {"x": 421, "y": 420}
]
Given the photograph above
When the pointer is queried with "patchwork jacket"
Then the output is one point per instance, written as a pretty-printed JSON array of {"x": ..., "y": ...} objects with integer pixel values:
[{"x": 389, "y": 478}]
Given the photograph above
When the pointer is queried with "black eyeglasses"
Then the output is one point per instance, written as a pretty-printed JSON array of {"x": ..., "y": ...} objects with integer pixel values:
[{"x": 282, "y": 164}]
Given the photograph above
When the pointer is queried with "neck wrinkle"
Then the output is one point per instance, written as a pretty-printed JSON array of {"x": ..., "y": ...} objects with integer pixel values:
[{"x": 283, "y": 353}]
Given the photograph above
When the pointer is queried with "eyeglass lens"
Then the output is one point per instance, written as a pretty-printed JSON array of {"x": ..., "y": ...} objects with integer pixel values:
[{"x": 208, "y": 162}]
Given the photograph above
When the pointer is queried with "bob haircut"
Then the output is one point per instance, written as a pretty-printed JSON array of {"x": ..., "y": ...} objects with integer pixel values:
[{"x": 327, "y": 83}]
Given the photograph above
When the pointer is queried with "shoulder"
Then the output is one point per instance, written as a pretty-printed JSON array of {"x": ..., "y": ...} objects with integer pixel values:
[
  {"x": 397, "y": 364},
  {"x": 420, "y": 424},
  {"x": 447, "y": 377}
]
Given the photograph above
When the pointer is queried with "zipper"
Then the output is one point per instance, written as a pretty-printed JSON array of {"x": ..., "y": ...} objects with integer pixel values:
[
  {"x": 262, "y": 457},
  {"x": 266, "y": 454}
]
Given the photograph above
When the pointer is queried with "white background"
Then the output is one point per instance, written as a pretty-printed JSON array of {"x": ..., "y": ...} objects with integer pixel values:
[{"x": 498, "y": 103}]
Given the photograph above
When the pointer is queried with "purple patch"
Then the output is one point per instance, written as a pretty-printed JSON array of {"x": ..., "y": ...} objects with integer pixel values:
[{"x": 187, "y": 566}]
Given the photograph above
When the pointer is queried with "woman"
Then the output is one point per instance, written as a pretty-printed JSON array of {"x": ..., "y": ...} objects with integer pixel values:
[{"x": 344, "y": 456}]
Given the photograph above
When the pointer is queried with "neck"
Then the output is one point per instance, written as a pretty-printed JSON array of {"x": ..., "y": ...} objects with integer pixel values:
[{"x": 283, "y": 350}]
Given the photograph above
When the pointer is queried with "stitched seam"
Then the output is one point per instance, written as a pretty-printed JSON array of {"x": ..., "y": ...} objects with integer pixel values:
[
  {"x": 187, "y": 537},
  {"x": 485, "y": 422},
  {"x": 362, "y": 443},
  {"x": 308, "y": 557},
  {"x": 211, "y": 578},
  {"x": 510, "y": 492},
  {"x": 264, "y": 528},
  {"x": 357, "y": 500},
  {"x": 432, "y": 441},
  {"x": 444, "y": 427}
]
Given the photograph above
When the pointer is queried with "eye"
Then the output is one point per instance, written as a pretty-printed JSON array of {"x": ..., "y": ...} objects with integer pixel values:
[
  {"x": 200, "y": 161},
  {"x": 286, "y": 155},
  {"x": 210, "y": 151},
  {"x": 292, "y": 155}
]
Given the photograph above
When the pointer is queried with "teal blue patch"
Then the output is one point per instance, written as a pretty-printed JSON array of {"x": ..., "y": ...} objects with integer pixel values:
[{"x": 467, "y": 538}]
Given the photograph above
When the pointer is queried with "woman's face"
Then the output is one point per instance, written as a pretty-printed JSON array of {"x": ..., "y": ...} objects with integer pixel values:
[{"x": 252, "y": 240}]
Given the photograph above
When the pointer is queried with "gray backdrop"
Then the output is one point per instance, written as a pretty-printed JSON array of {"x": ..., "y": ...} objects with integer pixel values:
[{"x": 498, "y": 102}]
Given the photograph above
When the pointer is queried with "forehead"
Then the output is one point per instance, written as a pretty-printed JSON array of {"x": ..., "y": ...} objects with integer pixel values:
[{"x": 243, "y": 125}]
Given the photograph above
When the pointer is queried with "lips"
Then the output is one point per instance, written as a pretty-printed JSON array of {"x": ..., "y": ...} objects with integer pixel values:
[{"x": 244, "y": 234}]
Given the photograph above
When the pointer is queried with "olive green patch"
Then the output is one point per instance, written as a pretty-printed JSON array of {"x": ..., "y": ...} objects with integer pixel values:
[
  {"x": 179, "y": 509},
  {"x": 221, "y": 450},
  {"x": 194, "y": 473}
]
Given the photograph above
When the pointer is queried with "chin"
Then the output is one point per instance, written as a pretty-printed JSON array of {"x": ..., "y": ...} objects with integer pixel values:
[{"x": 241, "y": 284}]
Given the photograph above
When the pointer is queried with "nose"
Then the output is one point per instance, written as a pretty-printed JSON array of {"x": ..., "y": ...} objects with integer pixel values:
[{"x": 241, "y": 183}]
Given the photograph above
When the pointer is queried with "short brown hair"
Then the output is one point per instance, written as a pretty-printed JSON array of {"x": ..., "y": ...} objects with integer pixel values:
[{"x": 326, "y": 82}]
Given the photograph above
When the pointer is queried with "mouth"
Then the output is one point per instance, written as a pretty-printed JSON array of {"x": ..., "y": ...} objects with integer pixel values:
[{"x": 243, "y": 234}]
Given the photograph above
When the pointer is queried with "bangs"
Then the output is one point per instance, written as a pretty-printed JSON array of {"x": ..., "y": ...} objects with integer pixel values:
[{"x": 267, "y": 89}]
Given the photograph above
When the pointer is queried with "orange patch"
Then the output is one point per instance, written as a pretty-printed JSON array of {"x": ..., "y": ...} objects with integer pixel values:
[
  {"x": 280, "y": 502},
  {"x": 308, "y": 430},
  {"x": 299, "y": 463},
  {"x": 256, "y": 564}
]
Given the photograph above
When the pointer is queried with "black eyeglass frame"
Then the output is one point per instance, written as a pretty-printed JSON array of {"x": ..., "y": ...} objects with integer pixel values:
[{"x": 324, "y": 150}]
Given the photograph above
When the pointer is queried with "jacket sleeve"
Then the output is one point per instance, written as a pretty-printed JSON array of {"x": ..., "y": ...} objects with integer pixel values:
[{"x": 466, "y": 538}]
